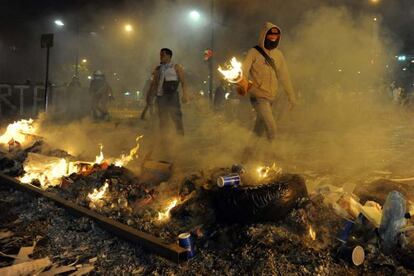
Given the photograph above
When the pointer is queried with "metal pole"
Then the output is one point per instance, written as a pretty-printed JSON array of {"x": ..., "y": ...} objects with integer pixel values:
[
  {"x": 211, "y": 63},
  {"x": 47, "y": 78},
  {"x": 77, "y": 51}
]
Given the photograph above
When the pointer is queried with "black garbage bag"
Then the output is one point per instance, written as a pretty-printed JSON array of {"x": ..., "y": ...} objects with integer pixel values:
[{"x": 267, "y": 202}]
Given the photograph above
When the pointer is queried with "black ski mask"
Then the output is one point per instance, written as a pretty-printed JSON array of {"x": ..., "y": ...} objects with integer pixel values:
[{"x": 270, "y": 45}]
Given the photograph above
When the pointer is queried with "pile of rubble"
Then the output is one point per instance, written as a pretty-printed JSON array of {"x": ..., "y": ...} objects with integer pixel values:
[{"x": 320, "y": 234}]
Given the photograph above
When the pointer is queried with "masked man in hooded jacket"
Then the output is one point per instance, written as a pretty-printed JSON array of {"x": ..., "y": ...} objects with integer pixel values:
[{"x": 265, "y": 67}]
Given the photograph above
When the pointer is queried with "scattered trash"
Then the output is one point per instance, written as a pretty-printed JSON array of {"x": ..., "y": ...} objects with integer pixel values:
[
  {"x": 26, "y": 268},
  {"x": 229, "y": 180},
  {"x": 185, "y": 241},
  {"x": 351, "y": 254},
  {"x": 393, "y": 219}
]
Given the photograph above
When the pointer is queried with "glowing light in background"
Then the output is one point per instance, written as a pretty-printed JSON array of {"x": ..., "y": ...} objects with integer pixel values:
[
  {"x": 59, "y": 23},
  {"x": 194, "y": 15},
  {"x": 128, "y": 28}
]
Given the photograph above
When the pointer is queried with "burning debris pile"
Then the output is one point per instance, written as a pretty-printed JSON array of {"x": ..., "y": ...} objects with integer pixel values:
[{"x": 233, "y": 215}]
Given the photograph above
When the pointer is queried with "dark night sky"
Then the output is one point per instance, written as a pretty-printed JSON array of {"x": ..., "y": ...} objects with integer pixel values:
[
  {"x": 18, "y": 15},
  {"x": 23, "y": 21}
]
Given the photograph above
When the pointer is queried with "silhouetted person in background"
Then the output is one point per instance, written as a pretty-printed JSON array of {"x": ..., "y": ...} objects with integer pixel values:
[{"x": 101, "y": 94}]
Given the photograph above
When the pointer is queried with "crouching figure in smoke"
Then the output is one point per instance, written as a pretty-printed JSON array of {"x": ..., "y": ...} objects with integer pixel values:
[
  {"x": 265, "y": 67},
  {"x": 101, "y": 94}
]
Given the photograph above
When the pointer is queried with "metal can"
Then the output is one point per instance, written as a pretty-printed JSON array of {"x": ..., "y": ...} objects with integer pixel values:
[
  {"x": 229, "y": 180},
  {"x": 354, "y": 254},
  {"x": 346, "y": 231},
  {"x": 185, "y": 241}
]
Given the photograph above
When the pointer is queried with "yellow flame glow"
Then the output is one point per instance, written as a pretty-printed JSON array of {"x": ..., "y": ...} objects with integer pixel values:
[
  {"x": 133, "y": 153},
  {"x": 233, "y": 72},
  {"x": 98, "y": 194},
  {"x": 312, "y": 233},
  {"x": 18, "y": 131},
  {"x": 162, "y": 216},
  {"x": 99, "y": 158},
  {"x": 264, "y": 171}
]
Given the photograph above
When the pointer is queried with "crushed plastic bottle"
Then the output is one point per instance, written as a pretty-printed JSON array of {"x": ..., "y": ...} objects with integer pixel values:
[{"x": 392, "y": 221}]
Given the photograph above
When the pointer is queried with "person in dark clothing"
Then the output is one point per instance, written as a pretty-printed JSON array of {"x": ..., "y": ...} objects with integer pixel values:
[{"x": 101, "y": 94}]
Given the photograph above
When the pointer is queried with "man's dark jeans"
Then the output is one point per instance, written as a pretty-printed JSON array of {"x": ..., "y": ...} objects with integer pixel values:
[{"x": 169, "y": 107}]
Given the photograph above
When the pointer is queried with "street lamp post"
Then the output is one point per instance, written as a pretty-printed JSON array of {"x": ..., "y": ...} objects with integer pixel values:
[{"x": 211, "y": 72}]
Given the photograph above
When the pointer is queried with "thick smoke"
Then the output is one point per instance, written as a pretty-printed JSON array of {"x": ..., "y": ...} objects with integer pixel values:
[{"x": 339, "y": 61}]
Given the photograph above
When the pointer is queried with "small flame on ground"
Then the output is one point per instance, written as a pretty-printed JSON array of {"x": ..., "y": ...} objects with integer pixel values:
[
  {"x": 99, "y": 158},
  {"x": 133, "y": 153},
  {"x": 98, "y": 194},
  {"x": 264, "y": 171},
  {"x": 162, "y": 216},
  {"x": 18, "y": 131},
  {"x": 233, "y": 72},
  {"x": 312, "y": 233}
]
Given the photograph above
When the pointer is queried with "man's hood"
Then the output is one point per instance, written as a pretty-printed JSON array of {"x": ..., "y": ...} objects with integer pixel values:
[{"x": 267, "y": 26}]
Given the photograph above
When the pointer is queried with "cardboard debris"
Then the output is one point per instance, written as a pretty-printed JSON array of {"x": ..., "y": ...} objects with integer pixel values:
[
  {"x": 83, "y": 270},
  {"x": 348, "y": 206},
  {"x": 6, "y": 234},
  {"x": 26, "y": 268},
  {"x": 372, "y": 211},
  {"x": 55, "y": 270},
  {"x": 24, "y": 254}
]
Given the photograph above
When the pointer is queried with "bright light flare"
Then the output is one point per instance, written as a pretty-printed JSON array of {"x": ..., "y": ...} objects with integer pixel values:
[
  {"x": 232, "y": 73},
  {"x": 194, "y": 15},
  {"x": 128, "y": 28},
  {"x": 59, "y": 23},
  {"x": 163, "y": 216}
]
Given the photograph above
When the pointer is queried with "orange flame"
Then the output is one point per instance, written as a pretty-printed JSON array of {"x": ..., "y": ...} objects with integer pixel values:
[
  {"x": 133, "y": 153},
  {"x": 98, "y": 194},
  {"x": 162, "y": 216}
]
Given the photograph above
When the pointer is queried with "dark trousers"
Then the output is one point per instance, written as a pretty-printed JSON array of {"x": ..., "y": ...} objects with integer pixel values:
[{"x": 169, "y": 108}]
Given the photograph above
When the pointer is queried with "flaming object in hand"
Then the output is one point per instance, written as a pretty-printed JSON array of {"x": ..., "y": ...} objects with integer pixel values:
[
  {"x": 232, "y": 73},
  {"x": 162, "y": 216}
]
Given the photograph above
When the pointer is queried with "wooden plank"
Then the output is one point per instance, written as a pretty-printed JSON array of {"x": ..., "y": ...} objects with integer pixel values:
[{"x": 170, "y": 251}]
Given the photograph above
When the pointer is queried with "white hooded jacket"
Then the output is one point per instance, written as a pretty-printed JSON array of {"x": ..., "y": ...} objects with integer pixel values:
[{"x": 264, "y": 80}]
